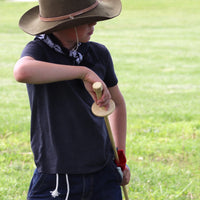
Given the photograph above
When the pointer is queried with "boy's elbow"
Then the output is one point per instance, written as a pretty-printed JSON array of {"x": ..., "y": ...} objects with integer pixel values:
[{"x": 20, "y": 74}]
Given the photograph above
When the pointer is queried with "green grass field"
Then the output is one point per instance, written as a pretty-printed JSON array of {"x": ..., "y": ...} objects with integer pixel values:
[{"x": 155, "y": 45}]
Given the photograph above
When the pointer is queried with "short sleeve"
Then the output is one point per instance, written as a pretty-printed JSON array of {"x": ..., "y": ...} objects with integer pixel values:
[
  {"x": 34, "y": 49},
  {"x": 110, "y": 78}
]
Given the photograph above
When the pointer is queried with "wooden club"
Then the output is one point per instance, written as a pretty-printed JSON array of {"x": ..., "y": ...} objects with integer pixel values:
[{"x": 102, "y": 112}]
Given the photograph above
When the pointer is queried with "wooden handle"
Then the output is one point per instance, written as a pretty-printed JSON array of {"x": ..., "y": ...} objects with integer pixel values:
[
  {"x": 111, "y": 138},
  {"x": 125, "y": 192},
  {"x": 98, "y": 88}
]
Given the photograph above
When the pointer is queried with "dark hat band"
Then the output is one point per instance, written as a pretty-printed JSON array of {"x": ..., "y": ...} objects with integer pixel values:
[{"x": 71, "y": 16}]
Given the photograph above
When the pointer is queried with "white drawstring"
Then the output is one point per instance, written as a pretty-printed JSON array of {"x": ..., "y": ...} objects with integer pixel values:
[
  {"x": 67, "y": 181},
  {"x": 55, "y": 193}
]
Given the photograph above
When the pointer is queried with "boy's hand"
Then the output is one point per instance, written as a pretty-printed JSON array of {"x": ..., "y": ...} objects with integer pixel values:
[
  {"x": 126, "y": 176},
  {"x": 89, "y": 79}
]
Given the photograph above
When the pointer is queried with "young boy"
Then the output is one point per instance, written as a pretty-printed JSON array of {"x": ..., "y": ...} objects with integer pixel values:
[{"x": 71, "y": 147}]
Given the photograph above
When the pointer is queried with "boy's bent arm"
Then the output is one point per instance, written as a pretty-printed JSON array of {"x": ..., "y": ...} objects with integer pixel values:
[{"x": 29, "y": 70}]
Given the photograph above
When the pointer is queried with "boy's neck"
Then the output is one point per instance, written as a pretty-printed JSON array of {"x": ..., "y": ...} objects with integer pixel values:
[{"x": 64, "y": 41}]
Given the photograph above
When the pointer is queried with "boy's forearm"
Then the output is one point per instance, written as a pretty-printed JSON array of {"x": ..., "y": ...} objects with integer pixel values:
[
  {"x": 118, "y": 125},
  {"x": 28, "y": 70},
  {"x": 118, "y": 119}
]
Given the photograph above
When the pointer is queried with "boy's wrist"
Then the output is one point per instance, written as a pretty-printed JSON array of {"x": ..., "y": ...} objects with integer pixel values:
[
  {"x": 122, "y": 159},
  {"x": 85, "y": 73}
]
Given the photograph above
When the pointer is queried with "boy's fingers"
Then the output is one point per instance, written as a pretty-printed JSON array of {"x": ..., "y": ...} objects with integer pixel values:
[{"x": 104, "y": 101}]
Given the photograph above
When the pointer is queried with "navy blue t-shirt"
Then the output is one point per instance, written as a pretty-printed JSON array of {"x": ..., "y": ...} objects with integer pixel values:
[{"x": 65, "y": 135}]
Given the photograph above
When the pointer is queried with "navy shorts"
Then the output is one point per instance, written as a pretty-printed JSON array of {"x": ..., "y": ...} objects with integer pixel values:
[{"x": 102, "y": 185}]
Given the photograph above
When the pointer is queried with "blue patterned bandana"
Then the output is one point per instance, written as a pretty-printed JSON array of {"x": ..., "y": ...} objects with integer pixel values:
[{"x": 77, "y": 56}]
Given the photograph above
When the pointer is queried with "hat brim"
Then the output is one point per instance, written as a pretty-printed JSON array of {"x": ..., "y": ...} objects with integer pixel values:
[{"x": 31, "y": 23}]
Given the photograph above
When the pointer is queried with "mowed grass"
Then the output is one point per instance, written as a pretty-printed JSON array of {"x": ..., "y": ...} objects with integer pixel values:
[{"x": 155, "y": 45}]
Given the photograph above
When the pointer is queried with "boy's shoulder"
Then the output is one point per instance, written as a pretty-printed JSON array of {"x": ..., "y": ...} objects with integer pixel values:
[
  {"x": 35, "y": 48},
  {"x": 98, "y": 47},
  {"x": 34, "y": 44}
]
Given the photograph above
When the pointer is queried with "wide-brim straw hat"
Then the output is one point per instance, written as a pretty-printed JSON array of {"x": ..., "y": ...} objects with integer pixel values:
[{"x": 53, "y": 15}]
